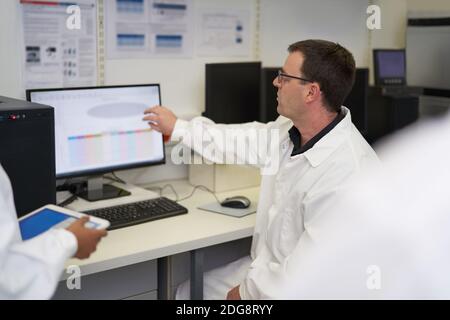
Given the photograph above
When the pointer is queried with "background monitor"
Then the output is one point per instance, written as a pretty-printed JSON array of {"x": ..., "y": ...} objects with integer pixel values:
[
  {"x": 356, "y": 101},
  {"x": 269, "y": 103},
  {"x": 390, "y": 67},
  {"x": 100, "y": 129},
  {"x": 233, "y": 92}
]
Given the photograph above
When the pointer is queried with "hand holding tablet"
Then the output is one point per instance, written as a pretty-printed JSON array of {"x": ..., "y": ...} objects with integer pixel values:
[
  {"x": 50, "y": 216},
  {"x": 87, "y": 230},
  {"x": 87, "y": 238}
]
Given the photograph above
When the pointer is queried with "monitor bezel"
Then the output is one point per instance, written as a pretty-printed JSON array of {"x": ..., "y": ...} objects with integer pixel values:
[
  {"x": 101, "y": 171},
  {"x": 384, "y": 81}
]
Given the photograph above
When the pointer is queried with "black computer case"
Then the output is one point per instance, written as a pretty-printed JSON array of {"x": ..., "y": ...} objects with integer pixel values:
[
  {"x": 27, "y": 152},
  {"x": 388, "y": 113}
]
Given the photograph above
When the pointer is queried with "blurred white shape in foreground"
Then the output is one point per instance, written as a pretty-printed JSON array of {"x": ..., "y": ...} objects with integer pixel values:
[{"x": 389, "y": 237}]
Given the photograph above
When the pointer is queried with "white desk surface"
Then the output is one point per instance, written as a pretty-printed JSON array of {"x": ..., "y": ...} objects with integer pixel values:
[{"x": 169, "y": 236}]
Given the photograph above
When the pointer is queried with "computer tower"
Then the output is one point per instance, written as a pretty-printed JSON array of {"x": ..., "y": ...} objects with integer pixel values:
[
  {"x": 27, "y": 144},
  {"x": 269, "y": 103},
  {"x": 389, "y": 113},
  {"x": 356, "y": 101},
  {"x": 233, "y": 92}
]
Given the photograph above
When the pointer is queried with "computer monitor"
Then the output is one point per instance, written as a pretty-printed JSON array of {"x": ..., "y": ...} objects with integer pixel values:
[
  {"x": 390, "y": 67},
  {"x": 269, "y": 103},
  {"x": 100, "y": 130},
  {"x": 233, "y": 92},
  {"x": 356, "y": 101}
]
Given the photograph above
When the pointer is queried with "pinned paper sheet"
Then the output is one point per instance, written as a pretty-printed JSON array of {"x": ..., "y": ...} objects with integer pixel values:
[
  {"x": 54, "y": 54},
  {"x": 149, "y": 28},
  {"x": 223, "y": 32}
]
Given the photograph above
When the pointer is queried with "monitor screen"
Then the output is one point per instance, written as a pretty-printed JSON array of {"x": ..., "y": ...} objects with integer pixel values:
[
  {"x": 233, "y": 92},
  {"x": 390, "y": 66},
  {"x": 100, "y": 129}
]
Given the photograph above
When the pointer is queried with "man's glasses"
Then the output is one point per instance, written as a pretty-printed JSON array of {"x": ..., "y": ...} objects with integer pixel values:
[{"x": 282, "y": 75}]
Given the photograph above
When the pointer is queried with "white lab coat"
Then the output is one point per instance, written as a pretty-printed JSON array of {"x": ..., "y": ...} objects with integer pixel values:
[
  {"x": 291, "y": 201},
  {"x": 388, "y": 237},
  {"x": 30, "y": 269}
]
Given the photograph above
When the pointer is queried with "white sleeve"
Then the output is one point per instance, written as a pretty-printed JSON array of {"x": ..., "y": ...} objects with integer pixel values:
[
  {"x": 32, "y": 269},
  {"x": 249, "y": 143}
]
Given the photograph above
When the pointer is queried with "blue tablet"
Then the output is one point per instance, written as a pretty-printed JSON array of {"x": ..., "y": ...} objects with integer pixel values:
[{"x": 50, "y": 217}]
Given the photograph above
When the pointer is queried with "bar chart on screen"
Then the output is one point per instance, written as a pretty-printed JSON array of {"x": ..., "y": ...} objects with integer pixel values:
[{"x": 110, "y": 147}]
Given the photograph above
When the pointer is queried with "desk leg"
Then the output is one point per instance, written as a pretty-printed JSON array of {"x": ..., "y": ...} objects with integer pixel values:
[
  {"x": 165, "y": 278},
  {"x": 197, "y": 274}
]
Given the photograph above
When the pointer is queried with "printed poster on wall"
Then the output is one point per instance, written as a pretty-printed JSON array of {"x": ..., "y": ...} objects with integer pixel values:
[
  {"x": 58, "y": 53},
  {"x": 149, "y": 28},
  {"x": 223, "y": 32}
]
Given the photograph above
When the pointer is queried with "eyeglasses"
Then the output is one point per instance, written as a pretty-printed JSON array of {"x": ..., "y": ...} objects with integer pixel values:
[{"x": 282, "y": 75}]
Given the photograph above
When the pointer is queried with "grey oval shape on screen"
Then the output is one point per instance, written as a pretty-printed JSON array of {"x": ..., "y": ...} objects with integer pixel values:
[{"x": 118, "y": 110}]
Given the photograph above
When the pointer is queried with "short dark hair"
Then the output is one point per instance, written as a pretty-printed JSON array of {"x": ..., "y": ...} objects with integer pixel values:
[{"x": 330, "y": 65}]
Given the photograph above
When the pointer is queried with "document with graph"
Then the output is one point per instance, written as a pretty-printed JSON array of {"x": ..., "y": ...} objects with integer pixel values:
[
  {"x": 60, "y": 43},
  {"x": 149, "y": 28}
]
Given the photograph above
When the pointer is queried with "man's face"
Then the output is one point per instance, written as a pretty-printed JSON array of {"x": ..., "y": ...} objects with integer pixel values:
[{"x": 292, "y": 93}]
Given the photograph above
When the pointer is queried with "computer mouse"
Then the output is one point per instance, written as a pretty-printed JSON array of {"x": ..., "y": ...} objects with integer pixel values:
[{"x": 238, "y": 202}]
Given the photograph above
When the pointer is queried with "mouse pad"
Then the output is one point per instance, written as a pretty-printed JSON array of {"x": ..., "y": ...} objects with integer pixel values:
[{"x": 238, "y": 213}]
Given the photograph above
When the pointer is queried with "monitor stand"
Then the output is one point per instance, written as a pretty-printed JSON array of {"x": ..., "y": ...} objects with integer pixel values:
[{"x": 97, "y": 191}]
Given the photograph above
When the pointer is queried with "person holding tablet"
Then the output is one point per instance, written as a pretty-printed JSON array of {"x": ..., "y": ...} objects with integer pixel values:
[{"x": 31, "y": 269}]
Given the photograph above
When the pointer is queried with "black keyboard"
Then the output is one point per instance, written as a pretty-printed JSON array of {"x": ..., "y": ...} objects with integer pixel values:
[{"x": 138, "y": 212}]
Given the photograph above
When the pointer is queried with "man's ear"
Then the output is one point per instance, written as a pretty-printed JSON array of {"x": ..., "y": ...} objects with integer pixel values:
[{"x": 314, "y": 92}]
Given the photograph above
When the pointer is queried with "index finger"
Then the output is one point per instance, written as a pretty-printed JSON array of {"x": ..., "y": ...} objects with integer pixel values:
[{"x": 153, "y": 109}]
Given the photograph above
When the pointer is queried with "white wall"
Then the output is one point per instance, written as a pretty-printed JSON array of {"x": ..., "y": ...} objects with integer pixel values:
[
  {"x": 282, "y": 23},
  {"x": 428, "y": 5},
  {"x": 394, "y": 19},
  {"x": 285, "y": 22},
  {"x": 10, "y": 67},
  {"x": 182, "y": 80}
]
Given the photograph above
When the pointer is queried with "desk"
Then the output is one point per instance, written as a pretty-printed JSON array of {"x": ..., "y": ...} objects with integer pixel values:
[{"x": 164, "y": 238}]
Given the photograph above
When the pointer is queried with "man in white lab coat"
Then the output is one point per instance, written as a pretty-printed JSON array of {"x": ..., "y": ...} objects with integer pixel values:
[
  {"x": 31, "y": 269},
  {"x": 319, "y": 150}
]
